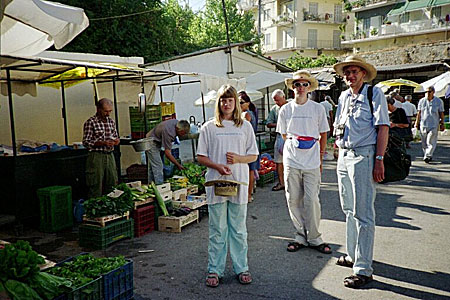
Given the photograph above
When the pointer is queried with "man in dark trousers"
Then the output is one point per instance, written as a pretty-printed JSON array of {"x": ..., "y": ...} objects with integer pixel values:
[{"x": 99, "y": 137}]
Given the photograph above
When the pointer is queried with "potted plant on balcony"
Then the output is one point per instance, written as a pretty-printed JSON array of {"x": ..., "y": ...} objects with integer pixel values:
[{"x": 374, "y": 32}]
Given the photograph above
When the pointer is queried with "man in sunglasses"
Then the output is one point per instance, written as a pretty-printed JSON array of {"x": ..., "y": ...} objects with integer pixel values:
[
  {"x": 303, "y": 125},
  {"x": 430, "y": 119},
  {"x": 361, "y": 136}
]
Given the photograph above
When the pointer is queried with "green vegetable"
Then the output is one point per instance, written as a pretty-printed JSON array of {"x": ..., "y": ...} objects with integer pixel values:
[
  {"x": 18, "y": 261},
  {"x": 104, "y": 205},
  {"x": 49, "y": 286},
  {"x": 20, "y": 291},
  {"x": 195, "y": 173},
  {"x": 160, "y": 200}
]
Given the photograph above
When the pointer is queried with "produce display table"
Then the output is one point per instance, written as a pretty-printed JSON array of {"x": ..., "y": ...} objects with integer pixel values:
[{"x": 24, "y": 174}]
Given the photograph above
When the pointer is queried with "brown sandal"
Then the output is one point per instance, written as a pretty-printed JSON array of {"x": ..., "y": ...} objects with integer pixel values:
[
  {"x": 278, "y": 187},
  {"x": 357, "y": 281},
  {"x": 245, "y": 274},
  {"x": 322, "y": 248},
  {"x": 212, "y": 276},
  {"x": 342, "y": 261}
]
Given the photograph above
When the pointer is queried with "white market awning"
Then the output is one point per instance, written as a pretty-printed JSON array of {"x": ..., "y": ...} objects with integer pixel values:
[
  {"x": 263, "y": 79},
  {"x": 29, "y": 27},
  {"x": 440, "y": 83}
]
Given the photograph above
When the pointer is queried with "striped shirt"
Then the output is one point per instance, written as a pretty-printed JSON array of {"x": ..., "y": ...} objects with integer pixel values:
[{"x": 96, "y": 129}]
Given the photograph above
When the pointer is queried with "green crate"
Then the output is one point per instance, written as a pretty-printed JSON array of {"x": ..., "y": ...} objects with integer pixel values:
[
  {"x": 96, "y": 237},
  {"x": 158, "y": 211},
  {"x": 55, "y": 208},
  {"x": 151, "y": 111},
  {"x": 266, "y": 178},
  {"x": 447, "y": 125}
]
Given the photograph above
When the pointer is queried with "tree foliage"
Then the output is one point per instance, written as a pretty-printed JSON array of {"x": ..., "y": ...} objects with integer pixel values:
[
  {"x": 162, "y": 30},
  {"x": 298, "y": 61}
]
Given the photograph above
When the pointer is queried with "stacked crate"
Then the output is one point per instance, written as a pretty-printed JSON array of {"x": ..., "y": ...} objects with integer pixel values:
[
  {"x": 167, "y": 110},
  {"x": 144, "y": 220},
  {"x": 55, "y": 208},
  {"x": 137, "y": 122},
  {"x": 103, "y": 235}
]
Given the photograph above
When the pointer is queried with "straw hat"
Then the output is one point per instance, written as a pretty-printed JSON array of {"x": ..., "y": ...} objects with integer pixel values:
[
  {"x": 302, "y": 75},
  {"x": 355, "y": 60}
]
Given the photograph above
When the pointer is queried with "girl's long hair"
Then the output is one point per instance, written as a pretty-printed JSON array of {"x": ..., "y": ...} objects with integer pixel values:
[
  {"x": 227, "y": 91},
  {"x": 244, "y": 96}
]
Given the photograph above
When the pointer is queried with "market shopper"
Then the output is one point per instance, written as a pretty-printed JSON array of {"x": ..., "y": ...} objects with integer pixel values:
[
  {"x": 280, "y": 99},
  {"x": 250, "y": 113},
  {"x": 399, "y": 124},
  {"x": 162, "y": 136},
  {"x": 226, "y": 145},
  {"x": 99, "y": 137},
  {"x": 361, "y": 136},
  {"x": 430, "y": 119},
  {"x": 411, "y": 112},
  {"x": 304, "y": 126}
]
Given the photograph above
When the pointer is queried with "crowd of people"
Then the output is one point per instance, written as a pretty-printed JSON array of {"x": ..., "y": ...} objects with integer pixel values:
[{"x": 363, "y": 121}]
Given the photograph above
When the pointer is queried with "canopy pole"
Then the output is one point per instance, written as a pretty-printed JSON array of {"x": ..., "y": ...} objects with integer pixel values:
[
  {"x": 116, "y": 115},
  {"x": 203, "y": 108},
  {"x": 11, "y": 112},
  {"x": 64, "y": 115}
]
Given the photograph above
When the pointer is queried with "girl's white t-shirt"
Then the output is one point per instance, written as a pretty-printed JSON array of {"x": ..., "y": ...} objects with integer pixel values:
[
  {"x": 214, "y": 142},
  {"x": 308, "y": 120}
]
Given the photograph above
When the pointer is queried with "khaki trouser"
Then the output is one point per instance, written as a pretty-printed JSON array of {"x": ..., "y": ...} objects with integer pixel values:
[
  {"x": 302, "y": 195},
  {"x": 101, "y": 173}
]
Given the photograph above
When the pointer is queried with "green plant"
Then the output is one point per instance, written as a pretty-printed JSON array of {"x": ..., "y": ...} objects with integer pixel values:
[{"x": 374, "y": 31}]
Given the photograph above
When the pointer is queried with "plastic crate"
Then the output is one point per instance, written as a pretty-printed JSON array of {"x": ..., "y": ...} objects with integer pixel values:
[
  {"x": 266, "y": 178},
  {"x": 89, "y": 291},
  {"x": 151, "y": 111},
  {"x": 96, "y": 237},
  {"x": 138, "y": 135},
  {"x": 55, "y": 208},
  {"x": 203, "y": 212},
  {"x": 144, "y": 220},
  {"x": 158, "y": 211},
  {"x": 169, "y": 117},
  {"x": 118, "y": 284},
  {"x": 167, "y": 108}
]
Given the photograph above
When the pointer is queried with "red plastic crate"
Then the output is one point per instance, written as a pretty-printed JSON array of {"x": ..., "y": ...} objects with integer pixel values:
[
  {"x": 138, "y": 135},
  {"x": 169, "y": 117},
  {"x": 144, "y": 220}
]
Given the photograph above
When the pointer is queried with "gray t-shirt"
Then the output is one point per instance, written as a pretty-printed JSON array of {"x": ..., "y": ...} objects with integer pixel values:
[
  {"x": 429, "y": 112},
  {"x": 164, "y": 133}
]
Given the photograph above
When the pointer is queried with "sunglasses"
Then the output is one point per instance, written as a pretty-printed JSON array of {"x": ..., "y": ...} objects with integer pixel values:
[
  {"x": 299, "y": 84},
  {"x": 241, "y": 102}
]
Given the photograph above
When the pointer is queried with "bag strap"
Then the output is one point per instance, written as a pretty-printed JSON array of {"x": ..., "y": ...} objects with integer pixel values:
[{"x": 370, "y": 96}]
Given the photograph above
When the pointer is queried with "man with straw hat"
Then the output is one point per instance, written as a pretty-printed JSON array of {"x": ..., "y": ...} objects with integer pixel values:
[
  {"x": 303, "y": 125},
  {"x": 362, "y": 136}
]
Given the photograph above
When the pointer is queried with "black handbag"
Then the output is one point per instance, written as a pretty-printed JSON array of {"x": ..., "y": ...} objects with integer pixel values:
[{"x": 396, "y": 161}]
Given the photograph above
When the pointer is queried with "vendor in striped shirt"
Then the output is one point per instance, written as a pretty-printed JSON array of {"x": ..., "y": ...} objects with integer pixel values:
[{"x": 99, "y": 137}]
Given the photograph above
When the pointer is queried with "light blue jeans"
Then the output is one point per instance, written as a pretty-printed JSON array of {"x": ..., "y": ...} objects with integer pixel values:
[
  {"x": 227, "y": 227},
  {"x": 357, "y": 193},
  {"x": 154, "y": 164}
]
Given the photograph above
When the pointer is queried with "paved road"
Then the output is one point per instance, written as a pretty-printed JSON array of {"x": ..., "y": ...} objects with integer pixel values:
[{"x": 411, "y": 247}]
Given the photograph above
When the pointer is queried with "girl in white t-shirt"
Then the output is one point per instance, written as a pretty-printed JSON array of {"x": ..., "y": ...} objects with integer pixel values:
[{"x": 226, "y": 145}]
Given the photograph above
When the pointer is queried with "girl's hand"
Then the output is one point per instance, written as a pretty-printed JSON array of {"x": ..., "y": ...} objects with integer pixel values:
[
  {"x": 232, "y": 158},
  {"x": 223, "y": 169}
]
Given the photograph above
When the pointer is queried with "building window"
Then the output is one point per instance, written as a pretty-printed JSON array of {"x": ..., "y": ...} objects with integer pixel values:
[
  {"x": 436, "y": 11},
  {"x": 404, "y": 18},
  {"x": 314, "y": 8},
  {"x": 288, "y": 38},
  {"x": 267, "y": 39},
  {"x": 338, "y": 13},
  {"x": 312, "y": 38},
  {"x": 336, "y": 39},
  {"x": 266, "y": 14}
]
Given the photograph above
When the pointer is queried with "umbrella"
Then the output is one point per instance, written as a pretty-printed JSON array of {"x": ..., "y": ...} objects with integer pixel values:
[
  {"x": 385, "y": 85},
  {"x": 210, "y": 98},
  {"x": 440, "y": 83},
  {"x": 29, "y": 27}
]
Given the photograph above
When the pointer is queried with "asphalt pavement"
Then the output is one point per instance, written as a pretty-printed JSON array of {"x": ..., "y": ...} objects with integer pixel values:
[{"x": 411, "y": 256}]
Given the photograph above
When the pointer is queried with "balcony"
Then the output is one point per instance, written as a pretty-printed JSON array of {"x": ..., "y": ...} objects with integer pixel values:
[
  {"x": 284, "y": 20},
  {"x": 325, "y": 18},
  {"x": 395, "y": 29},
  {"x": 318, "y": 44},
  {"x": 248, "y": 4},
  {"x": 361, "y": 5}
]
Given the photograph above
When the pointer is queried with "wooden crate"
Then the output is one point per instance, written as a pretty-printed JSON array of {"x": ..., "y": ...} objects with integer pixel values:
[
  {"x": 180, "y": 194},
  {"x": 174, "y": 224},
  {"x": 189, "y": 204},
  {"x": 134, "y": 184},
  {"x": 142, "y": 203},
  {"x": 166, "y": 196},
  {"x": 192, "y": 189},
  {"x": 102, "y": 221},
  {"x": 163, "y": 188}
]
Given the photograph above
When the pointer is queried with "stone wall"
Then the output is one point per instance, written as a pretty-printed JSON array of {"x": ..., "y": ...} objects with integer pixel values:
[{"x": 413, "y": 54}]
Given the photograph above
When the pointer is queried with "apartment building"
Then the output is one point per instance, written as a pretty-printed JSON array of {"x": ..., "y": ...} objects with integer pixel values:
[
  {"x": 382, "y": 24},
  {"x": 308, "y": 27}
]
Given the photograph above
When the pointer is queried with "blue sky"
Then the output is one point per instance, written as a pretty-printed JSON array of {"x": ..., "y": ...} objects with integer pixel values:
[{"x": 195, "y": 4}]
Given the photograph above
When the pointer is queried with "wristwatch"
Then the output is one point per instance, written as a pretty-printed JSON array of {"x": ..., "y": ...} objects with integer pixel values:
[{"x": 379, "y": 157}]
